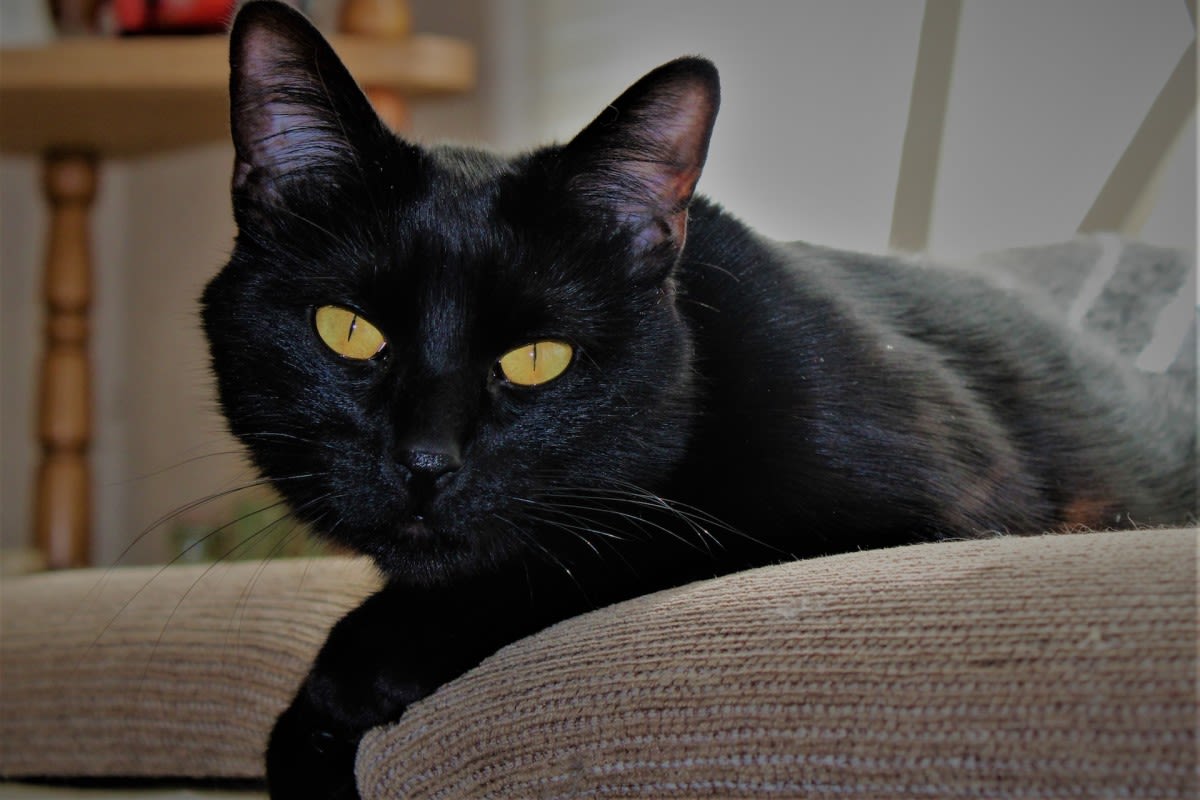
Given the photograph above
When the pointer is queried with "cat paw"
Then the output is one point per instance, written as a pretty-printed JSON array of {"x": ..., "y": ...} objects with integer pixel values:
[{"x": 308, "y": 759}]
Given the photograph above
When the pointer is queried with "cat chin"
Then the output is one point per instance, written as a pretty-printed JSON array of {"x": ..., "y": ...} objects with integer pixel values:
[
  {"x": 430, "y": 570},
  {"x": 418, "y": 554}
]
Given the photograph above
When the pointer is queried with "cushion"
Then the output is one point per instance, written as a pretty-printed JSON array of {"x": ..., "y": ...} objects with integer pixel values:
[
  {"x": 1019, "y": 667},
  {"x": 1138, "y": 299},
  {"x": 1000, "y": 668},
  {"x": 150, "y": 672}
]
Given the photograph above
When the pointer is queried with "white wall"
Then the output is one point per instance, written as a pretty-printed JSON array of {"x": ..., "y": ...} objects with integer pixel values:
[
  {"x": 1045, "y": 95},
  {"x": 814, "y": 98}
]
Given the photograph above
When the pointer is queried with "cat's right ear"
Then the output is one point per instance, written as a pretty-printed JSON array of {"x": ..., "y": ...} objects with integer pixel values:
[
  {"x": 295, "y": 112},
  {"x": 638, "y": 163}
]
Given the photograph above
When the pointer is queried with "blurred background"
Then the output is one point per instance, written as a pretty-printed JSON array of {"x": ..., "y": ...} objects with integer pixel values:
[{"x": 1044, "y": 97}]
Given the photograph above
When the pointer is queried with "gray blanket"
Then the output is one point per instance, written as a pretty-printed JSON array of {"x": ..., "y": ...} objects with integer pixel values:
[{"x": 1138, "y": 298}]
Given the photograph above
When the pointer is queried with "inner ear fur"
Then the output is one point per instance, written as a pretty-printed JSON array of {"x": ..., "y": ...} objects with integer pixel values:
[
  {"x": 640, "y": 159},
  {"x": 294, "y": 108}
]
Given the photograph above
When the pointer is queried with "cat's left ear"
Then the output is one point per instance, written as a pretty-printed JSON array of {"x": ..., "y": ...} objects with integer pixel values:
[
  {"x": 639, "y": 161},
  {"x": 295, "y": 111}
]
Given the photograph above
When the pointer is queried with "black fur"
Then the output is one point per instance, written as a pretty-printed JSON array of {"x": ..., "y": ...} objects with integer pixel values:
[{"x": 732, "y": 401}]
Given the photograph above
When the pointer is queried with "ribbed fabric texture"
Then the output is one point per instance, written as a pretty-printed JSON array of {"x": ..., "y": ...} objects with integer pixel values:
[
  {"x": 141, "y": 672},
  {"x": 1059, "y": 666}
]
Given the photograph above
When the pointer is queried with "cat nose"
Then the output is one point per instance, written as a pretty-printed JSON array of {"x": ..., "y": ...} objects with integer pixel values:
[
  {"x": 431, "y": 463},
  {"x": 428, "y": 462},
  {"x": 426, "y": 466}
]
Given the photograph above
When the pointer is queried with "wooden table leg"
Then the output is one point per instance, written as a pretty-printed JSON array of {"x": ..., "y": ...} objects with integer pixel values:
[{"x": 62, "y": 512}]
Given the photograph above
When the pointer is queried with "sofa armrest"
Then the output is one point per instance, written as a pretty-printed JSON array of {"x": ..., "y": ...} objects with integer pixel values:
[
  {"x": 1008, "y": 666},
  {"x": 145, "y": 672}
]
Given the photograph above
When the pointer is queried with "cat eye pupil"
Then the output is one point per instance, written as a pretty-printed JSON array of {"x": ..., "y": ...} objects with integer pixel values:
[
  {"x": 535, "y": 364},
  {"x": 346, "y": 333}
]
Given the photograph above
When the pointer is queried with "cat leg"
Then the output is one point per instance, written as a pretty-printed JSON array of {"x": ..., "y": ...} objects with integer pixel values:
[{"x": 396, "y": 648}]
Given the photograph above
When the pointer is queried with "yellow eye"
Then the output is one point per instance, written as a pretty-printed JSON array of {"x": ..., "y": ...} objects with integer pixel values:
[
  {"x": 348, "y": 334},
  {"x": 537, "y": 363}
]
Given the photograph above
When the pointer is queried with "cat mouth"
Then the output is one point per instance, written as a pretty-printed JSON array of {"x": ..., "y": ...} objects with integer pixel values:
[{"x": 416, "y": 528}]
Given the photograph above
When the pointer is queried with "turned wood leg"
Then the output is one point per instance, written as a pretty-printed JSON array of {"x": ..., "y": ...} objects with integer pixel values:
[{"x": 62, "y": 508}]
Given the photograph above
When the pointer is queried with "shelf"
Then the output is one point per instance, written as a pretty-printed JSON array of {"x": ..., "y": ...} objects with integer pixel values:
[{"x": 124, "y": 97}]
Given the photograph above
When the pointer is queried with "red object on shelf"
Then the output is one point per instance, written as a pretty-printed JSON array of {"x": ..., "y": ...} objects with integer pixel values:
[{"x": 158, "y": 16}]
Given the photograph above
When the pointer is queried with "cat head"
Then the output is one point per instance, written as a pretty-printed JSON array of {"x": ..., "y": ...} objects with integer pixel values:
[{"x": 417, "y": 345}]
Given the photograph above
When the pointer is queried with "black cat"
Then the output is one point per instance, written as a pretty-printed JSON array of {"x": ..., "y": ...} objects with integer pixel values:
[{"x": 531, "y": 386}]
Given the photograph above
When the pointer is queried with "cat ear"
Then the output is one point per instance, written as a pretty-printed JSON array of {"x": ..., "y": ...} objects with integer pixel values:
[
  {"x": 640, "y": 159},
  {"x": 293, "y": 106}
]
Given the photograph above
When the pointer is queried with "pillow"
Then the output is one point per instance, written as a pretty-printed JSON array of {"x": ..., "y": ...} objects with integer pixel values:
[
  {"x": 1012, "y": 667},
  {"x": 1001, "y": 667},
  {"x": 147, "y": 672}
]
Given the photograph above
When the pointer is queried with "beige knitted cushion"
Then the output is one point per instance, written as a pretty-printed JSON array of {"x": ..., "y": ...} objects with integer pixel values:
[
  {"x": 1046, "y": 667},
  {"x": 144, "y": 672},
  {"x": 1051, "y": 666}
]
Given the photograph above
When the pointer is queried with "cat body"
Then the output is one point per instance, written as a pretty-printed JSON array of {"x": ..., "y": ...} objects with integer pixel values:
[
  {"x": 531, "y": 386},
  {"x": 886, "y": 400}
]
